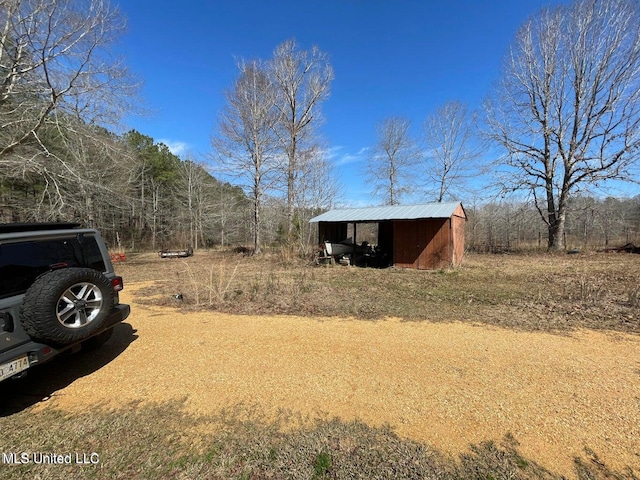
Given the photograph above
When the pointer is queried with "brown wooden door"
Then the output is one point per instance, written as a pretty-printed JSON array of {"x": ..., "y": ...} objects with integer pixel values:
[{"x": 405, "y": 251}]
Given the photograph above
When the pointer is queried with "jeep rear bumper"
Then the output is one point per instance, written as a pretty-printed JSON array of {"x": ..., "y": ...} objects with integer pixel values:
[{"x": 39, "y": 353}]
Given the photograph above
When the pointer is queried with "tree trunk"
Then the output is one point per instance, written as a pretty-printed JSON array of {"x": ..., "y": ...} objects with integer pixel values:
[
  {"x": 256, "y": 218},
  {"x": 555, "y": 236},
  {"x": 557, "y": 222},
  {"x": 156, "y": 202},
  {"x": 556, "y": 233},
  {"x": 290, "y": 199}
]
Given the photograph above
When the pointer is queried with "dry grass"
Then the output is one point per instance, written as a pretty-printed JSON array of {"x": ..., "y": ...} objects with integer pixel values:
[
  {"x": 530, "y": 292},
  {"x": 161, "y": 441}
]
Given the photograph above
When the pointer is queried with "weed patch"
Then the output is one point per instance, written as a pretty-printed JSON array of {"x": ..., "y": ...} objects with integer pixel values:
[{"x": 528, "y": 292}]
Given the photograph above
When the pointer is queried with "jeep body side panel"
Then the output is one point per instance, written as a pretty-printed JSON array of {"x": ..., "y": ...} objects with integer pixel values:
[{"x": 11, "y": 333}]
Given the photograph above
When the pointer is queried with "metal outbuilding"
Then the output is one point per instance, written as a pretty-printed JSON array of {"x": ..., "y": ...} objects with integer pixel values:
[{"x": 424, "y": 237}]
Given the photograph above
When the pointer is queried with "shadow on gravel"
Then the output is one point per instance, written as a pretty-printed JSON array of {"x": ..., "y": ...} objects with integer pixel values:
[
  {"x": 44, "y": 380},
  {"x": 147, "y": 440}
]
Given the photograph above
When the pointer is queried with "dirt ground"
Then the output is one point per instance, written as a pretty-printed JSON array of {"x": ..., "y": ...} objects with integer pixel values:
[{"x": 448, "y": 385}]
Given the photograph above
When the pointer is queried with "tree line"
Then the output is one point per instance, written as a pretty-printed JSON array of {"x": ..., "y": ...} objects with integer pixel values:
[
  {"x": 592, "y": 223},
  {"x": 562, "y": 122},
  {"x": 134, "y": 190}
]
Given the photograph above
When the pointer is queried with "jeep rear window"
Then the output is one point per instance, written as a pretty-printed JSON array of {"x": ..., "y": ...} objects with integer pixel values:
[{"x": 21, "y": 263}]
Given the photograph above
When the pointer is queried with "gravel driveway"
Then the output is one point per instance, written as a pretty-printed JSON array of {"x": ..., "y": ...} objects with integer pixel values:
[{"x": 448, "y": 385}]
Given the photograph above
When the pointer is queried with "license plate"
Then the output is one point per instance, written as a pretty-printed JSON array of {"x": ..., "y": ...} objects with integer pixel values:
[{"x": 15, "y": 366}]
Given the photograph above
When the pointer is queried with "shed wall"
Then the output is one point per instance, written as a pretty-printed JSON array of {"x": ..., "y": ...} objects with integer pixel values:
[
  {"x": 424, "y": 244},
  {"x": 457, "y": 227}
]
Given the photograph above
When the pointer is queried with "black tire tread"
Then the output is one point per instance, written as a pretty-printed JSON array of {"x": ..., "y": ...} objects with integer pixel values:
[{"x": 38, "y": 309}]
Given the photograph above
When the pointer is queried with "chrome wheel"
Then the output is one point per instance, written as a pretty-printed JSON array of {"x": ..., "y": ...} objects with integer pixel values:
[
  {"x": 66, "y": 305},
  {"x": 79, "y": 305}
]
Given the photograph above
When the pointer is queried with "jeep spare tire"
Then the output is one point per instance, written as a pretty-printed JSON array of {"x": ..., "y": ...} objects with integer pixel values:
[{"x": 66, "y": 305}]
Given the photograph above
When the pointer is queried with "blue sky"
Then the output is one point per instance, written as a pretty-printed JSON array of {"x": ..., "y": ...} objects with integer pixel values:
[{"x": 390, "y": 58}]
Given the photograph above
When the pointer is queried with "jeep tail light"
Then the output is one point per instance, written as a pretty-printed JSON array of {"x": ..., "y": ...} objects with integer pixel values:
[{"x": 117, "y": 284}]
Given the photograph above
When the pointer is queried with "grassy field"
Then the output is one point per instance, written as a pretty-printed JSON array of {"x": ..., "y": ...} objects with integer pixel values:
[
  {"x": 532, "y": 292},
  {"x": 553, "y": 293}
]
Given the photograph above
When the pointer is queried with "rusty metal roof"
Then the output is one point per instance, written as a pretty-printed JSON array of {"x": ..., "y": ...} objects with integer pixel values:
[{"x": 395, "y": 212}]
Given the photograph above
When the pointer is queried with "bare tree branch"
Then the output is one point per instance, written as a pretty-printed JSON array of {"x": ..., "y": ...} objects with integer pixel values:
[
  {"x": 391, "y": 160},
  {"x": 450, "y": 149},
  {"x": 246, "y": 146},
  {"x": 567, "y": 110},
  {"x": 54, "y": 57},
  {"x": 302, "y": 79}
]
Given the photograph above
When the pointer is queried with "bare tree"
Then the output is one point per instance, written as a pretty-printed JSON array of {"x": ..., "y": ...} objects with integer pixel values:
[
  {"x": 59, "y": 82},
  {"x": 194, "y": 194},
  {"x": 319, "y": 188},
  {"x": 245, "y": 148},
  {"x": 567, "y": 109},
  {"x": 392, "y": 159},
  {"x": 81, "y": 178},
  {"x": 450, "y": 150},
  {"x": 54, "y": 59},
  {"x": 302, "y": 80},
  {"x": 90, "y": 171}
]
